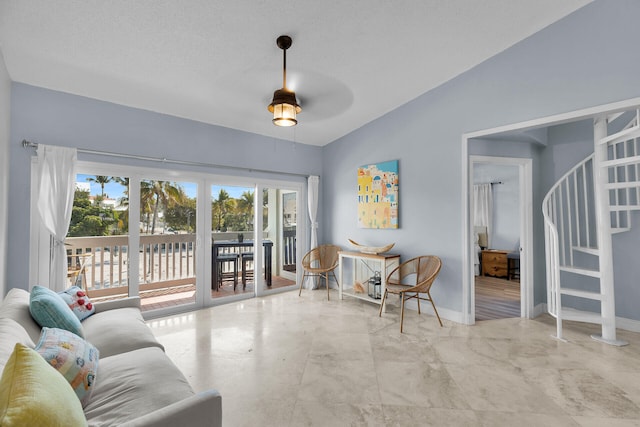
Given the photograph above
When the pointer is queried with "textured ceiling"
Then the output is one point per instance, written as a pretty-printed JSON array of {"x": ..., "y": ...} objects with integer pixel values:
[{"x": 217, "y": 61}]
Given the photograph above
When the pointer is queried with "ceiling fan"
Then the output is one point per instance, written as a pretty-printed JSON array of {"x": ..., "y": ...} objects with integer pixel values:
[{"x": 284, "y": 106}]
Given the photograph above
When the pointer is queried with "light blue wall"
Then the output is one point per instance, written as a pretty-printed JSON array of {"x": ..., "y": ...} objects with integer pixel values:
[
  {"x": 56, "y": 118},
  {"x": 5, "y": 97},
  {"x": 578, "y": 62}
]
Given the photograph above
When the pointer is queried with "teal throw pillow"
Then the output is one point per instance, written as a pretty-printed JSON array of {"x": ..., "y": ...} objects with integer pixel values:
[{"x": 49, "y": 309}]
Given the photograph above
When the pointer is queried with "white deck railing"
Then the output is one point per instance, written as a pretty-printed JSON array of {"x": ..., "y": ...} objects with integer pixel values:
[{"x": 165, "y": 260}]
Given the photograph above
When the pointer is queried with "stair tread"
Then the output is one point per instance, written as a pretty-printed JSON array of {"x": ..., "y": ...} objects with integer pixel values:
[
  {"x": 621, "y": 161},
  {"x": 584, "y": 271},
  {"x": 582, "y": 294},
  {"x": 622, "y": 185},
  {"x": 587, "y": 250},
  {"x": 619, "y": 230},
  {"x": 580, "y": 315}
]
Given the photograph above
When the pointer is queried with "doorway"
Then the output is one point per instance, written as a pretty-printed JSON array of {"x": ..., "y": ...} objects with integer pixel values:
[
  {"x": 496, "y": 208},
  {"x": 501, "y": 244}
]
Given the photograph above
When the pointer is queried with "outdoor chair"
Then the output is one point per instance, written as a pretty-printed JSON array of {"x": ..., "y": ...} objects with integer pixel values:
[
  {"x": 412, "y": 278},
  {"x": 223, "y": 259},
  {"x": 76, "y": 270},
  {"x": 320, "y": 262},
  {"x": 245, "y": 258}
]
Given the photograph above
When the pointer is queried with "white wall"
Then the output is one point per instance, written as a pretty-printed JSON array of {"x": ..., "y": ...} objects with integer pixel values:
[{"x": 5, "y": 100}]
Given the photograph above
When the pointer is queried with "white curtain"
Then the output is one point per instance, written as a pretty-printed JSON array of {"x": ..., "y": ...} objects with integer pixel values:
[
  {"x": 482, "y": 213},
  {"x": 56, "y": 174},
  {"x": 312, "y": 199},
  {"x": 483, "y": 207},
  {"x": 313, "y": 208}
]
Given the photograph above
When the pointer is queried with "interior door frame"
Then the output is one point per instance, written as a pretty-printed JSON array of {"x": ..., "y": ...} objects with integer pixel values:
[{"x": 525, "y": 207}]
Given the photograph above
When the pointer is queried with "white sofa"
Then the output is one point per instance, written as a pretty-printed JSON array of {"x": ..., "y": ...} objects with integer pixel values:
[{"x": 136, "y": 382}]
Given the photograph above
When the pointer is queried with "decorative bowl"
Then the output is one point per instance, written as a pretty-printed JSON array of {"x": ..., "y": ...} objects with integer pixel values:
[{"x": 371, "y": 249}]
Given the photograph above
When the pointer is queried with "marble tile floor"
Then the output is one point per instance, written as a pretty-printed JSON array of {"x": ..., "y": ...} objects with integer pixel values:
[{"x": 285, "y": 360}]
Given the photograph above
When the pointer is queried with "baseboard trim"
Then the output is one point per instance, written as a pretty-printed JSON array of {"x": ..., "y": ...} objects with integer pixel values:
[
  {"x": 539, "y": 310},
  {"x": 623, "y": 323},
  {"x": 445, "y": 313},
  {"x": 630, "y": 325}
]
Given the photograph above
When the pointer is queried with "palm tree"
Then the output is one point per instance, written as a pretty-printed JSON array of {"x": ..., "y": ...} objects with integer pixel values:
[
  {"x": 102, "y": 180},
  {"x": 245, "y": 208},
  {"x": 221, "y": 206},
  {"x": 124, "y": 181},
  {"x": 154, "y": 194}
]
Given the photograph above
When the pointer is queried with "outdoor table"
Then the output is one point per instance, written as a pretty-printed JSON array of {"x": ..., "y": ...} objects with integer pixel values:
[{"x": 217, "y": 245}]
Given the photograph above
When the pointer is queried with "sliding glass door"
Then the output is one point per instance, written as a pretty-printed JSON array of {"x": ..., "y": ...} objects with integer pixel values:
[
  {"x": 280, "y": 227},
  {"x": 97, "y": 242},
  {"x": 167, "y": 243},
  {"x": 180, "y": 240},
  {"x": 232, "y": 241}
]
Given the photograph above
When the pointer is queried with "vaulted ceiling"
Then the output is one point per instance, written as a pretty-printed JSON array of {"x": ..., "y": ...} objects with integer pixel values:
[{"x": 217, "y": 61}]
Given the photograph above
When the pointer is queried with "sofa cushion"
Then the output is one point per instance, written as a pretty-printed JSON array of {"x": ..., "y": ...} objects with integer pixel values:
[
  {"x": 118, "y": 331},
  {"x": 34, "y": 394},
  {"x": 15, "y": 306},
  {"x": 75, "y": 358},
  {"x": 49, "y": 309},
  {"x": 11, "y": 333},
  {"x": 134, "y": 384},
  {"x": 78, "y": 301}
]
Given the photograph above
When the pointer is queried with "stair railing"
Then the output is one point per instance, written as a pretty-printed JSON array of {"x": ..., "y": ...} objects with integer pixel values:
[
  {"x": 582, "y": 210},
  {"x": 567, "y": 209}
]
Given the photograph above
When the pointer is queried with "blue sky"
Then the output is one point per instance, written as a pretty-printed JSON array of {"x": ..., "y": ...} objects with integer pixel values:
[{"x": 116, "y": 191}]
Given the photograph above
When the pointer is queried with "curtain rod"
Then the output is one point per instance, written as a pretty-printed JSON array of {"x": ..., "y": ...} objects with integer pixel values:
[{"x": 29, "y": 144}]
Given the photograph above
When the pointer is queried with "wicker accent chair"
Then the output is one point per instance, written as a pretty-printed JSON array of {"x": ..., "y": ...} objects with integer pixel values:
[
  {"x": 320, "y": 262},
  {"x": 424, "y": 270}
]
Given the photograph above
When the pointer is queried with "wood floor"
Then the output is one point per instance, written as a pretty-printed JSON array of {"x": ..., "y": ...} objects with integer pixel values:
[{"x": 497, "y": 298}]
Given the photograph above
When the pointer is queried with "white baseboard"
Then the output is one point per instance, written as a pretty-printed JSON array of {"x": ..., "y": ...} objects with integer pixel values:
[
  {"x": 539, "y": 309},
  {"x": 445, "y": 313},
  {"x": 623, "y": 323},
  {"x": 628, "y": 324}
]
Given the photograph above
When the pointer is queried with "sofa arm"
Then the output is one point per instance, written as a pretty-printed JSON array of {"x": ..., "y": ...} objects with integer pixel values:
[
  {"x": 202, "y": 409},
  {"x": 133, "y": 302}
]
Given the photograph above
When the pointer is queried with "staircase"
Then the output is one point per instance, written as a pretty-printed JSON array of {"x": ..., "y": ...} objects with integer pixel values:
[{"x": 581, "y": 212}]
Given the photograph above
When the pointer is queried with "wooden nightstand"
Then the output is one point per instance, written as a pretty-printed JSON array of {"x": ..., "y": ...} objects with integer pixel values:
[{"x": 494, "y": 263}]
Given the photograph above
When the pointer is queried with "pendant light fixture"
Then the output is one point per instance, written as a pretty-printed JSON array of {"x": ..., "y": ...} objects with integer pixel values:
[{"x": 284, "y": 105}]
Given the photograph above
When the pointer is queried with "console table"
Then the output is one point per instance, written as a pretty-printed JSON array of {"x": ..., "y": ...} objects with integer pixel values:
[{"x": 363, "y": 268}]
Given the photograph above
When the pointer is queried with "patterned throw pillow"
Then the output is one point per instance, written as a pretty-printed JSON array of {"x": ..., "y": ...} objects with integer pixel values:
[
  {"x": 75, "y": 358},
  {"x": 50, "y": 310},
  {"x": 78, "y": 301},
  {"x": 33, "y": 394}
]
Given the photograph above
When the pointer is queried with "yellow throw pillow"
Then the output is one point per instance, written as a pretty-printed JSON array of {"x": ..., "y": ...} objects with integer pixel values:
[{"x": 32, "y": 393}]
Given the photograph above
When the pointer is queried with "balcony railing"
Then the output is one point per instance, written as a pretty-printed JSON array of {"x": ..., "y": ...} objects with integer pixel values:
[{"x": 165, "y": 260}]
